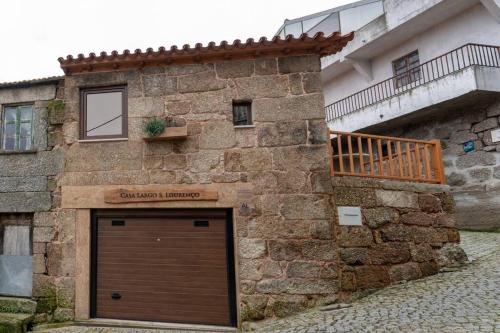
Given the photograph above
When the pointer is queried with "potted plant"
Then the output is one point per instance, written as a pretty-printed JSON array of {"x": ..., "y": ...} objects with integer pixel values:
[{"x": 158, "y": 129}]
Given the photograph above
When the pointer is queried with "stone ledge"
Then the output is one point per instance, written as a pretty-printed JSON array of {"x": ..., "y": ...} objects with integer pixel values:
[{"x": 363, "y": 182}]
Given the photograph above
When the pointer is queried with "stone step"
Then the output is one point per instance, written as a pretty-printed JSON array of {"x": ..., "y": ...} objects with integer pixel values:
[
  {"x": 17, "y": 305},
  {"x": 15, "y": 322}
]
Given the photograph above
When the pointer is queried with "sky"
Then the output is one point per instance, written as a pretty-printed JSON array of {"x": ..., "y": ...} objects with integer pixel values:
[{"x": 34, "y": 33}]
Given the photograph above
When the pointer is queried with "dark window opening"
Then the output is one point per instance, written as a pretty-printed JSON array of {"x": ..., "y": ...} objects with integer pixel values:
[
  {"x": 103, "y": 113},
  {"x": 242, "y": 113},
  {"x": 406, "y": 69}
]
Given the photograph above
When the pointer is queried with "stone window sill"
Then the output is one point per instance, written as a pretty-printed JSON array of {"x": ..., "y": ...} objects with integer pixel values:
[
  {"x": 244, "y": 126},
  {"x": 103, "y": 140},
  {"x": 16, "y": 152}
]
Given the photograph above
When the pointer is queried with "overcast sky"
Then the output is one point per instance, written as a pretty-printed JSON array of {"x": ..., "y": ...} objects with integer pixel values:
[{"x": 34, "y": 33}]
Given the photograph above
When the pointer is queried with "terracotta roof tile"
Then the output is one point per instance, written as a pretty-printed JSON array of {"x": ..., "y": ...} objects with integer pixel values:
[{"x": 317, "y": 44}]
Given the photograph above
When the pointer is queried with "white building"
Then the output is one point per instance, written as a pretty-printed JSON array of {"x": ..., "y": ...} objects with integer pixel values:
[{"x": 427, "y": 69}]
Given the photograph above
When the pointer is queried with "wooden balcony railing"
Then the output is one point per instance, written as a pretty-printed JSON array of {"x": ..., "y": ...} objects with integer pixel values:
[{"x": 363, "y": 155}]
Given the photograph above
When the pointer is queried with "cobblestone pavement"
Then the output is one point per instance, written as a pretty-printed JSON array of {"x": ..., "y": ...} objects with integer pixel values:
[{"x": 467, "y": 300}]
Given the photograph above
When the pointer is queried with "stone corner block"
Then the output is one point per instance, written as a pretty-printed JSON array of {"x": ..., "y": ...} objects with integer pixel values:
[{"x": 397, "y": 199}]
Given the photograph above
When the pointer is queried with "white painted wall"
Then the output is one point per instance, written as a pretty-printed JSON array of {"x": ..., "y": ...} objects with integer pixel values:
[
  {"x": 475, "y": 25},
  {"x": 400, "y": 11},
  {"x": 434, "y": 92}
]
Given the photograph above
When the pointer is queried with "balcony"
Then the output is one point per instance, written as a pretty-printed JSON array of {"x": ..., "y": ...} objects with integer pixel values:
[
  {"x": 467, "y": 69},
  {"x": 373, "y": 156}
]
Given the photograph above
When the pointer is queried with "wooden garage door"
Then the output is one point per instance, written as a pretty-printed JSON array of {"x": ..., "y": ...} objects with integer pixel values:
[{"x": 170, "y": 267}]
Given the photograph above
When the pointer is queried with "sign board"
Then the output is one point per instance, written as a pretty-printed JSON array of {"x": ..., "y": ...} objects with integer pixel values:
[
  {"x": 495, "y": 135},
  {"x": 158, "y": 193},
  {"x": 245, "y": 199},
  {"x": 349, "y": 215},
  {"x": 469, "y": 146}
]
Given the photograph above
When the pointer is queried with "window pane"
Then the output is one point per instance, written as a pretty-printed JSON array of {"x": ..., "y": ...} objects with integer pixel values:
[
  {"x": 241, "y": 114},
  {"x": 294, "y": 29},
  {"x": 9, "y": 143},
  {"x": 9, "y": 130},
  {"x": 24, "y": 143},
  {"x": 10, "y": 114},
  {"x": 25, "y": 130},
  {"x": 308, "y": 24},
  {"x": 104, "y": 114},
  {"x": 327, "y": 26},
  {"x": 26, "y": 113}
]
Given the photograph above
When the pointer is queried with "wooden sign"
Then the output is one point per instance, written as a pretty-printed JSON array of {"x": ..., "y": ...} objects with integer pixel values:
[{"x": 158, "y": 193}]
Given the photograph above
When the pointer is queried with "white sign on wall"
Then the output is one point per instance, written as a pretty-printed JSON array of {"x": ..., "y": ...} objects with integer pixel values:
[
  {"x": 495, "y": 135},
  {"x": 349, "y": 215}
]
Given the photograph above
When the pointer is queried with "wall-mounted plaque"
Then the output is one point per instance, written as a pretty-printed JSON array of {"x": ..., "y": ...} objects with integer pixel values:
[
  {"x": 349, "y": 215},
  {"x": 495, "y": 135},
  {"x": 158, "y": 193}
]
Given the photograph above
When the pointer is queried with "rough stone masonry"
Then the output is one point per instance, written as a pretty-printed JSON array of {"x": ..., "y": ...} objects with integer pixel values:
[{"x": 474, "y": 174}]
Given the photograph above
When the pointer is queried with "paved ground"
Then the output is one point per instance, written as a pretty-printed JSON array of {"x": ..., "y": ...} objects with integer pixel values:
[{"x": 467, "y": 300}]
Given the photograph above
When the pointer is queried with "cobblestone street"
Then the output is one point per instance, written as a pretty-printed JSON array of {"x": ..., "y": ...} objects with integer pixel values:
[{"x": 466, "y": 300}]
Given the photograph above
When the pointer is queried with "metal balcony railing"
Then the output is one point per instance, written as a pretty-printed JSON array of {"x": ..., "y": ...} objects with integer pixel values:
[
  {"x": 451, "y": 62},
  {"x": 366, "y": 155}
]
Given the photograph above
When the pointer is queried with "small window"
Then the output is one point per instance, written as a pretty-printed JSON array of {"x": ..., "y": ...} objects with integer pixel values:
[
  {"x": 406, "y": 69},
  {"x": 103, "y": 113},
  {"x": 17, "y": 129},
  {"x": 242, "y": 113}
]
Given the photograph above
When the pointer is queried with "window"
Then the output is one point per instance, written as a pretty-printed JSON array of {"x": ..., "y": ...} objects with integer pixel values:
[
  {"x": 103, "y": 113},
  {"x": 406, "y": 69},
  {"x": 17, "y": 129},
  {"x": 242, "y": 113}
]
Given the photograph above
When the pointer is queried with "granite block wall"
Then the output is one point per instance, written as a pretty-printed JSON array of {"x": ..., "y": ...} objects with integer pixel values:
[
  {"x": 471, "y": 158},
  {"x": 408, "y": 232}
]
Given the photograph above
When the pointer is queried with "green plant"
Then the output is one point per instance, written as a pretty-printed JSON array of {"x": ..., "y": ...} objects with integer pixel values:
[
  {"x": 56, "y": 105},
  {"x": 154, "y": 126}
]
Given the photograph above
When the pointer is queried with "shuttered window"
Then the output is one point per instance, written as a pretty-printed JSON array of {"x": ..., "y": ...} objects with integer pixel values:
[
  {"x": 406, "y": 69},
  {"x": 16, "y": 240}
]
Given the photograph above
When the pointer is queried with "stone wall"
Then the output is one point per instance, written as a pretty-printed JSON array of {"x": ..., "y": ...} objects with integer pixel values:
[
  {"x": 286, "y": 255},
  {"x": 26, "y": 179},
  {"x": 408, "y": 232},
  {"x": 474, "y": 176},
  {"x": 54, "y": 264},
  {"x": 27, "y": 184}
]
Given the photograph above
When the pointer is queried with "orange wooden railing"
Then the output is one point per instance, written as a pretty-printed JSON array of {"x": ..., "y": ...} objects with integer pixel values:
[{"x": 364, "y": 155}]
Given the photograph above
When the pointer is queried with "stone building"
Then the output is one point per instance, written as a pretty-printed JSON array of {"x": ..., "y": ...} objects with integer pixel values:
[
  {"x": 29, "y": 164},
  {"x": 230, "y": 214}
]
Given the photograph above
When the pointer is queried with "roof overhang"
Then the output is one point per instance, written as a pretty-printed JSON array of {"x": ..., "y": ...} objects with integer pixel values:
[{"x": 276, "y": 47}]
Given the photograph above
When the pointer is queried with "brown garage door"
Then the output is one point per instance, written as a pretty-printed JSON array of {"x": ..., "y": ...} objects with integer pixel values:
[{"x": 169, "y": 266}]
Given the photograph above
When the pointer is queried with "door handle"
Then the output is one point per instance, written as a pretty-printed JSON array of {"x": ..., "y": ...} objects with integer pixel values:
[{"x": 116, "y": 296}]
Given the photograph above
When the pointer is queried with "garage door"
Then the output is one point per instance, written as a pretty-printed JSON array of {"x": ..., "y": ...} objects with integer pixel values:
[{"x": 170, "y": 266}]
